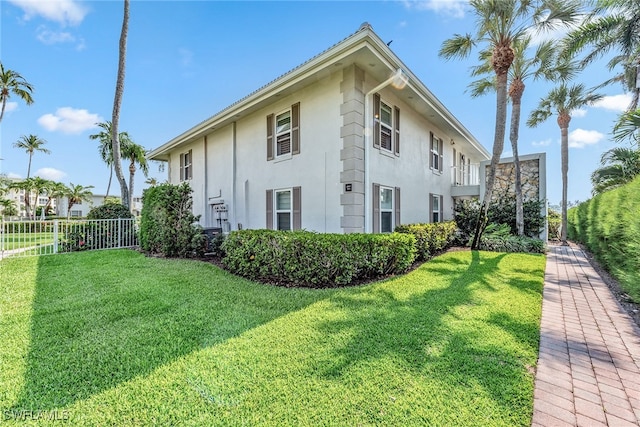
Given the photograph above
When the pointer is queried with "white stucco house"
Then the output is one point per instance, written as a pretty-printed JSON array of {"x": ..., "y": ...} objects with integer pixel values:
[{"x": 349, "y": 141}]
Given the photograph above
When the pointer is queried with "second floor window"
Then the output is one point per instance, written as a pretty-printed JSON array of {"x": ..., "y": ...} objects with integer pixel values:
[
  {"x": 186, "y": 166},
  {"x": 283, "y": 133}
]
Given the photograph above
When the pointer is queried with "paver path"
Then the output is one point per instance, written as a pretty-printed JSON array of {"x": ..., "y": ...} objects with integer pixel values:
[{"x": 589, "y": 363}]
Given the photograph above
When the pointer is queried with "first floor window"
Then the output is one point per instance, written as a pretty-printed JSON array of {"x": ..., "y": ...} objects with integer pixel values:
[
  {"x": 386, "y": 208},
  {"x": 284, "y": 209},
  {"x": 435, "y": 207}
]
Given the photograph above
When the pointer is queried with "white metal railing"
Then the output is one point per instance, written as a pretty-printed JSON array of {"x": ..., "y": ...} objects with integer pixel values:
[
  {"x": 27, "y": 238},
  {"x": 468, "y": 174}
]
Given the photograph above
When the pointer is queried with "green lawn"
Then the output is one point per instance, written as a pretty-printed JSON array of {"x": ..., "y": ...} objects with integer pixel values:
[
  {"x": 9, "y": 241},
  {"x": 114, "y": 338}
]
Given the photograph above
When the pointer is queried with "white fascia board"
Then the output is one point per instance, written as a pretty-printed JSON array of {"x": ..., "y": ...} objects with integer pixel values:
[{"x": 312, "y": 66}]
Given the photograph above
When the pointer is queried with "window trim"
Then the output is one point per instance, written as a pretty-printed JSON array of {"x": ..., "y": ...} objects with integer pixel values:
[
  {"x": 277, "y": 211},
  {"x": 394, "y": 127},
  {"x": 432, "y": 211},
  {"x": 186, "y": 169},
  {"x": 295, "y": 218},
  {"x": 377, "y": 208},
  {"x": 436, "y": 156},
  {"x": 294, "y": 133}
]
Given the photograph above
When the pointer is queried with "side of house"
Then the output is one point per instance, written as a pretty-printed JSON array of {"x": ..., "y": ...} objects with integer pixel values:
[{"x": 349, "y": 141}]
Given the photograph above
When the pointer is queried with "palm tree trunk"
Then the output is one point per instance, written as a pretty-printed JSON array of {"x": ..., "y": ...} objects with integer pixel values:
[
  {"x": 564, "y": 154},
  {"x": 109, "y": 184},
  {"x": 498, "y": 145},
  {"x": 516, "y": 101},
  {"x": 29, "y": 167},
  {"x": 132, "y": 172},
  {"x": 117, "y": 102},
  {"x": 563, "y": 122},
  {"x": 4, "y": 104}
]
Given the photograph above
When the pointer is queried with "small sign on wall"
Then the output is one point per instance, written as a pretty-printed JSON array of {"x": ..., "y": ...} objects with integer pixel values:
[{"x": 347, "y": 187}]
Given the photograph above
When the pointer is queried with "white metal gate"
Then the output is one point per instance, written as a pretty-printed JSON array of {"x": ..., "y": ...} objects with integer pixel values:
[{"x": 28, "y": 238}]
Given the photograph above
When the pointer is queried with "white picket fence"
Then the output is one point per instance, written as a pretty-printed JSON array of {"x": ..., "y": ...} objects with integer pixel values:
[{"x": 29, "y": 238}]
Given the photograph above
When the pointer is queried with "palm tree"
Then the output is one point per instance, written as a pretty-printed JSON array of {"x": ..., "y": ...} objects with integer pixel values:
[
  {"x": 117, "y": 102},
  {"x": 153, "y": 181},
  {"x": 614, "y": 25},
  {"x": 105, "y": 148},
  {"x": 77, "y": 194},
  {"x": 619, "y": 166},
  {"x": 562, "y": 101},
  {"x": 8, "y": 207},
  {"x": 13, "y": 83},
  {"x": 521, "y": 69},
  {"x": 31, "y": 144},
  {"x": 26, "y": 185},
  {"x": 135, "y": 154},
  {"x": 499, "y": 24},
  {"x": 628, "y": 128}
]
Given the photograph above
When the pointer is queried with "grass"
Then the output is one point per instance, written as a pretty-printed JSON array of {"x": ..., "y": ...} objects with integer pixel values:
[
  {"x": 114, "y": 338},
  {"x": 10, "y": 241}
]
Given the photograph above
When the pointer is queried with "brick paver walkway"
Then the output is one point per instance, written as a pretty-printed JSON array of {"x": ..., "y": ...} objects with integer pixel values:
[{"x": 589, "y": 363}]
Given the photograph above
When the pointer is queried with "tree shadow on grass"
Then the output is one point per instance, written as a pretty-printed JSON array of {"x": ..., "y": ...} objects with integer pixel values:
[
  {"x": 438, "y": 329},
  {"x": 103, "y": 318}
]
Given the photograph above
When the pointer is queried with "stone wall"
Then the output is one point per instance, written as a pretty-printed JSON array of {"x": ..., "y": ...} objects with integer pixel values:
[{"x": 506, "y": 178}]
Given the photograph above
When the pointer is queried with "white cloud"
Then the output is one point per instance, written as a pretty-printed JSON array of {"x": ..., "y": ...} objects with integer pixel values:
[
  {"x": 11, "y": 106},
  {"x": 543, "y": 143},
  {"x": 50, "y": 174},
  {"x": 618, "y": 103},
  {"x": 14, "y": 175},
  {"x": 453, "y": 8},
  {"x": 580, "y": 138},
  {"x": 69, "y": 120},
  {"x": 65, "y": 12},
  {"x": 579, "y": 113},
  {"x": 47, "y": 36}
]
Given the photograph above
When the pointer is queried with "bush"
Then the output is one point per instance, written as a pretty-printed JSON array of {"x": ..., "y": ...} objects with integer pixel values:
[
  {"x": 609, "y": 225},
  {"x": 501, "y": 211},
  {"x": 430, "y": 238},
  {"x": 109, "y": 210},
  {"x": 167, "y": 225},
  {"x": 555, "y": 223},
  {"x": 303, "y": 258},
  {"x": 498, "y": 238}
]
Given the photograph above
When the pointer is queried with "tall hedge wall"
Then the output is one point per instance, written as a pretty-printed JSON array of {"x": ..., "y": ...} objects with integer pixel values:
[{"x": 609, "y": 225}]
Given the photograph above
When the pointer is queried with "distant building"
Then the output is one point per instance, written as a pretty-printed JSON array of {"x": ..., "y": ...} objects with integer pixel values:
[
  {"x": 36, "y": 200},
  {"x": 81, "y": 210}
]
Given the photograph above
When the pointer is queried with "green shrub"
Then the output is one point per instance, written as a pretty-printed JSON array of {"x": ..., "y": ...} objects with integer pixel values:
[
  {"x": 555, "y": 222},
  {"x": 609, "y": 225},
  {"x": 430, "y": 238},
  {"x": 498, "y": 238},
  {"x": 501, "y": 211},
  {"x": 303, "y": 258},
  {"x": 167, "y": 225},
  {"x": 109, "y": 210}
]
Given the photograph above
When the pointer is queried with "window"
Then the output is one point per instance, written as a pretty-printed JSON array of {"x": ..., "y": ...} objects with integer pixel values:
[
  {"x": 436, "y": 149},
  {"x": 186, "y": 166},
  {"x": 76, "y": 213},
  {"x": 386, "y": 208},
  {"x": 386, "y": 132},
  {"x": 284, "y": 209},
  {"x": 435, "y": 207},
  {"x": 283, "y": 133},
  {"x": 385, "y": 126}
]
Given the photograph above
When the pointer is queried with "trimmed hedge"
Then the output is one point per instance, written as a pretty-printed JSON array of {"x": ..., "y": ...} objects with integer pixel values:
[
  {"x": 430, "y": 238},
  {"x": 609, "y": 226},
  {"x": 303, "y": 258}
]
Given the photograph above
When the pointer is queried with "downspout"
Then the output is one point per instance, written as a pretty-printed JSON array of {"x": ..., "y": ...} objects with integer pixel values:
[
  {"x": 233, "y": 174},
  {"x": 400, "y": 78},
  {"x": 205, "y": 197}
]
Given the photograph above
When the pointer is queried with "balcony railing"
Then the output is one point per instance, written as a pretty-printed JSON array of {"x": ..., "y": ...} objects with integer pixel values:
[{"x": 464, "y": 175}]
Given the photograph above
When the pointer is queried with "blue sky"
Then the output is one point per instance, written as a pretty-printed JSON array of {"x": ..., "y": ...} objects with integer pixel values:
[{"x": 187, "y": 60}]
